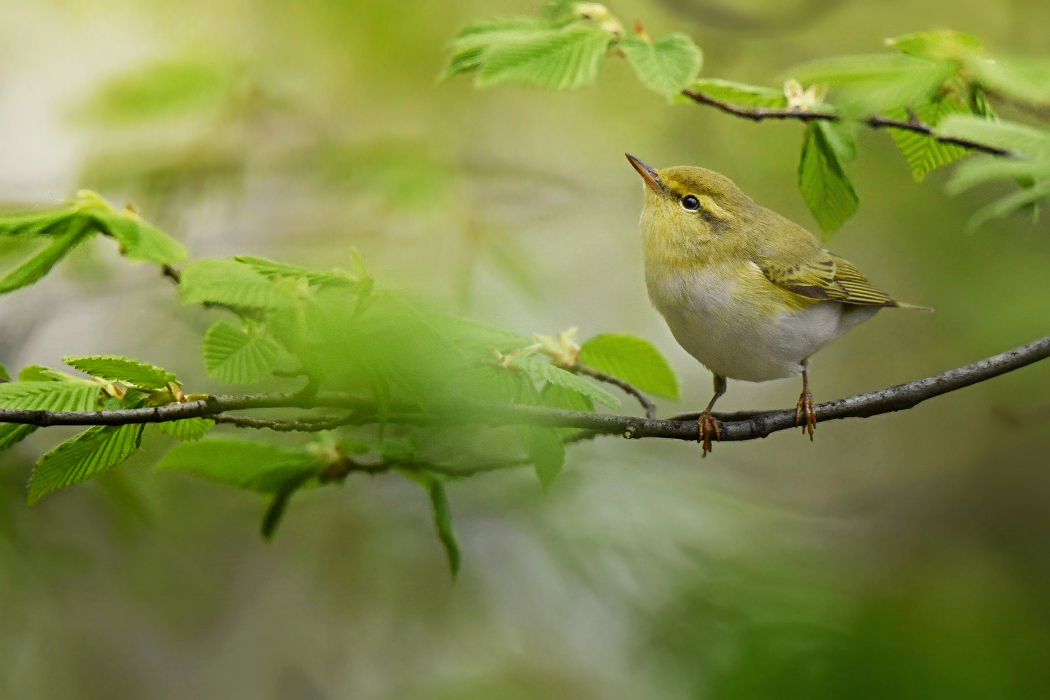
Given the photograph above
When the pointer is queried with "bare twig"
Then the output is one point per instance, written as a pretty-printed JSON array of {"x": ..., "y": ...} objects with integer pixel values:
[
  {"x": 734, "y": 426},
  {"x": 649, "y": 406},
  {"x": 875, "y": 121}
]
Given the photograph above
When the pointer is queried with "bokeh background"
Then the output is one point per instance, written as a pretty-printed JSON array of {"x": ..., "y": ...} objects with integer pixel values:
[{"x": 904, "y": 556}]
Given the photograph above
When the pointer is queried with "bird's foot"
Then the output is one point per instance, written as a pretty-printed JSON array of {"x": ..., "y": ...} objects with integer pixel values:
[
  {"x": 708, "y": 428},
  {"x": 806, "y": 413}
]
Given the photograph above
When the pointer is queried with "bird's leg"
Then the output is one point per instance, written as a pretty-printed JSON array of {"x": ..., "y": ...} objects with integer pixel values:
[
  {"x": 805, "y": 410},
  {"x": 708, "y": 425}
]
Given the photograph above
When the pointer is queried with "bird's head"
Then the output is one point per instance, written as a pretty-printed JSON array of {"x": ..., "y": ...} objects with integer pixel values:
[{"x": 687, "y": 207}]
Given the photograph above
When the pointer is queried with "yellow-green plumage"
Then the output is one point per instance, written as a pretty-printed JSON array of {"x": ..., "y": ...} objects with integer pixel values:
[{"x": 747, "y": 292}]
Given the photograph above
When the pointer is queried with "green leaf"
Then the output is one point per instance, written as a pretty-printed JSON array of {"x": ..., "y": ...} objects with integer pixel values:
[
  {"x": 234, "y": 355},
  {"x": 139, "y": 240},
  {"x": 563, "y": 59},
  {"x": 543, "y": 445},
  {"x": 13, "y": 433},
  {"x": 1009, "y": 204},
  {"x": 824, "y": 185},
  {"x": 875, "y": 83},
  {"x": 274, "y": 270},
  {"x": 258, "y": 466},
  {"x": 122, "y": 369},
  {"x": 940, "y": 44},
  {"x": 560, "y": 397},
  {"x": 187, "y": 429},
  {"x": 632, "y": 359},
  {"x": 1025, "y": 80},
  {"x": 443, "y": 523},
  {"x": 541, "y": 369},
  {"x": 89, "y": 454},
  {"x": 4, "y": 376},
  {"x": 41, "y": 263},
  {"x": 925, "y": 153},
  {"x": 1022, "y": 139},
  {"x": 39, "y": 373},
  {"x": 985, "y": 168},
  {"x": 279, "y": 504},
  {"x": 49, "y": 396},
  {"x": 666, "y": 65},
  {"x": 739, "y": 93},
  {"x": 227, "y": 282},
  {"x": 33, "y": 223},
  {"x": 468, "y": 49}
]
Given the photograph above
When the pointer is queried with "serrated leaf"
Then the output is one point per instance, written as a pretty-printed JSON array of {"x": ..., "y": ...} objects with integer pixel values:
[
  {"x": 230, "y": 283},
  {"x": 258, "y": 466},
  {"x": 58, "y": 220},
  {"x": 740, "y": 94},
  {"x": 468, "y": 48},
  {"x": 12, "y": 433},
  {"x": 41, "y": 263},
  {"x": 562, "y": 59},
  {"x": 632, "y": 359},
  {"x": 39, "y": 373},
  {"x": 88, "y": 454},
  {"x": 666, "y": 65},
  {"x": 824, "y": 185},
  {"x": 187, "y": 429},
  {"x": 139, "y": 240},
  {"x": 986, "y": 168},
  {"x": 543, "y": 445},
  {"x": 1026, "y": 80},
  {"x": 560, "y": 397},
  {"x": 875, "y": 83},
  {"x": 122, "y": 369},
  {"x": 542, "y": 370},
  {"x": 275, "y": 270},
  {"x": 925, "y": 153},
  {"x": 49, "y": 396},
  {"x": 234, "y": 355},
  {"x": 443, "y": 523}
]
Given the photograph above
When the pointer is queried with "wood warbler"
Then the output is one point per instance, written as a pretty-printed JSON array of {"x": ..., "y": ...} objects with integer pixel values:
[{"x": 748, "y": 293}]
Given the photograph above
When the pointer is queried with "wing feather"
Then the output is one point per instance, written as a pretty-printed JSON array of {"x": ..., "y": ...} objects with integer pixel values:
[{"x": 820, "y": 275}]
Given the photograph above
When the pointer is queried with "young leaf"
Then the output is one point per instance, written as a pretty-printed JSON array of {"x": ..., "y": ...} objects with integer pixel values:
[
  {"x": 139, "y": 240},
  {"x": 1026, "y": 80},
  {"x": 468, "y": 49},
  {"x": 824, "y": 185},
  {"x": 443, "y": 523},
  {"x": 543, "y": 445},
  {"x": 985, "y": 168},
  {"x": 92, "y": 452},
  {"x": 49, "y": 396},
  {"x": 1009, "y": 204},
  {"x": 739, "y": 93},
  {"x": 4, "y": 376},
  {"x": 41, "y": 263},
  {"x": 563, "y": 59},
  {"x": 1027, "y": 140},
  {"x": 540, "y": 369},
  {"x": 33, "y": 223},
  {"x": 258, "y": 466},
  {"x": 230, "y": 283},
  {"x": 39, "y": 373},
  {"x": 274, "y": 270},
  {"x": 925, "y": 153},
  {"x": 236, "y": 356},
  {"x": 560, "y": 397},
  {"x": 940, "y": 44},
  {"x": 121, "y": 369},
  {"x": 874, "y": 83},
  {"x": 632, "y": 359},
  {"x": 666, "y": 65},
  {"x": 12, "y": 434},
  {"x": 187, "y": 429},
  {"x": 279, "y": 504}
]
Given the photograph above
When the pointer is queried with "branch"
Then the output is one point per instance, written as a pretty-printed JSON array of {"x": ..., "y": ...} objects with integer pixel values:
[
  {"x": 875, "y": 121},
  {"x": 649, "y": 406},
  {"x": 735, "y": 426}
]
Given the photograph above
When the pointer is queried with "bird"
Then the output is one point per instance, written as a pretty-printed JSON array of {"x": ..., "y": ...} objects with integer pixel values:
[{"x": 747, "y": 292}]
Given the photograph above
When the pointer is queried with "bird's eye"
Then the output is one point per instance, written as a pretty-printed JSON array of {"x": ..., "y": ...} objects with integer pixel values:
[{"x": 690, "y": 202}]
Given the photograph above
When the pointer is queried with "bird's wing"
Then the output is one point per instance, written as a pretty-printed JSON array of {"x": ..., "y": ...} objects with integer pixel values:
[{"x": 817, "y": 274}]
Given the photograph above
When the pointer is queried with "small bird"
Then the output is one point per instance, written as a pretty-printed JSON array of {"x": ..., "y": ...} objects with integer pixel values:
[{"x": 748, "y": 293}]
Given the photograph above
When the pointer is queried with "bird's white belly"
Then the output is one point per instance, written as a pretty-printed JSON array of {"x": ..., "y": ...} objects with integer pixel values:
[{"x": 734, "y": 338}]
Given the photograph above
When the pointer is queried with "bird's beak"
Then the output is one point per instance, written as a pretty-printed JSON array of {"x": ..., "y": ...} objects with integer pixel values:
[{"x": 651, "y": 177}]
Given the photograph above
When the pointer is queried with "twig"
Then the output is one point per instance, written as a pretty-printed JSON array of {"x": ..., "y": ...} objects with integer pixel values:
[
  {"x": 875, "y": 121},
  {"x": 734, "y": 426},
  {"x": 649, "y": 406}
]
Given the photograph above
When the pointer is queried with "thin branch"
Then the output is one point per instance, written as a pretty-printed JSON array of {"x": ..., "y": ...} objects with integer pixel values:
[
  {"x": 875, "y": 121},
  {"x": 735, "y": 427},
  {"x": 649, "y": 406}
]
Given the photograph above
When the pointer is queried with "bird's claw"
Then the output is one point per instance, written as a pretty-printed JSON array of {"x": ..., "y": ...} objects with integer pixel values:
[
  {"x": 806, "y": 413},
  {"x": 709, "y": 427}
]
